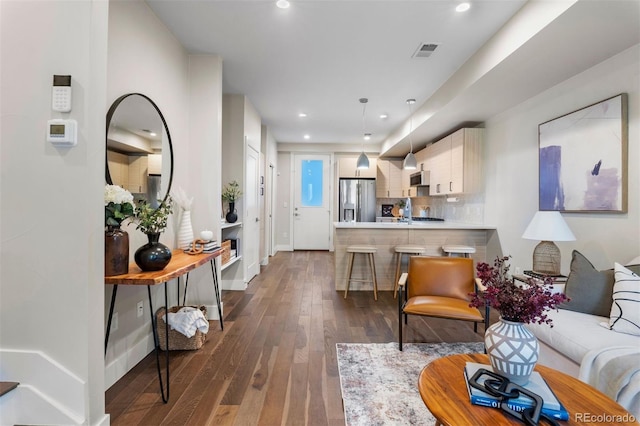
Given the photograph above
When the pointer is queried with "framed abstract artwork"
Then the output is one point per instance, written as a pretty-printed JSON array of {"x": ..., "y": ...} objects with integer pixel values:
[{"x": 583, "y": 159}]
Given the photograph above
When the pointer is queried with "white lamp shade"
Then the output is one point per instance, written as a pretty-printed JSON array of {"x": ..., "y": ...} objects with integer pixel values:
[
  {"x": 363, "y": 161},
  {"x": 548, "y": 226},
  {"x": 410, "y": 162}
]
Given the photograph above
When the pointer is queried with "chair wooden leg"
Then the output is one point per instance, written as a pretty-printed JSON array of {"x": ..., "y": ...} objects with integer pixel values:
[
  {"x": 400, "y": 321},
  {"x": 350, "y": 268},
  {"x": 374, "y": 276},
  {"x": 395, "y": 285}
]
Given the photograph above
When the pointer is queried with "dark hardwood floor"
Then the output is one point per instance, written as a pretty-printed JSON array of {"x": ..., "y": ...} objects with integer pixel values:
[{"x": 275, "y": 363}]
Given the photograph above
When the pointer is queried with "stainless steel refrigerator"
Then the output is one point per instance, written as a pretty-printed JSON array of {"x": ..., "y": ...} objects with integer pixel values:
[{"x": 357, "y": 200}]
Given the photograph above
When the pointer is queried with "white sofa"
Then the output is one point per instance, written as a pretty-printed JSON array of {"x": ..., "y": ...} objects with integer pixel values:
[{"x": 576, "y": 339}]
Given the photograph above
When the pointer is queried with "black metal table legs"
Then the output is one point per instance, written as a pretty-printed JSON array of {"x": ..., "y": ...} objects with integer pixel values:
[
  {"x": 113, "y": 302},
  {"x": 156, "y": 340}
]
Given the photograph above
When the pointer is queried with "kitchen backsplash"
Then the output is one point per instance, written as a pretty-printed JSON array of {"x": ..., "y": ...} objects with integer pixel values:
[{"x": 469, "y": 208}]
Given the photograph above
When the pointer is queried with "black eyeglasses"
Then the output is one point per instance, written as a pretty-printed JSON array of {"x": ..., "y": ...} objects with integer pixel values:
[{"x": 504, "y": 390}]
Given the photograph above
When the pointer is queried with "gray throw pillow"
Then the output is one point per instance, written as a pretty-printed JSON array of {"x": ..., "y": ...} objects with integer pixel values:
[{"x": 590, "y": 290}]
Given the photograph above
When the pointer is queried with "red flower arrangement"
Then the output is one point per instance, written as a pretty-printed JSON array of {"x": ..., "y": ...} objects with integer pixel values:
[{"x": 527, "y": 303}]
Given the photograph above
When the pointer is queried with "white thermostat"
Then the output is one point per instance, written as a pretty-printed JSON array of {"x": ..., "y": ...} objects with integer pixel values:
[{"x": 62, "y": 132}]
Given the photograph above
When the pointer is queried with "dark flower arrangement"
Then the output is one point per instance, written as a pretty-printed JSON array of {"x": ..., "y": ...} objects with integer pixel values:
[{"x": 527, "y": 303}]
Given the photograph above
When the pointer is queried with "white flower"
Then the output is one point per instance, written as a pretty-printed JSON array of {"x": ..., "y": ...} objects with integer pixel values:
[{"x": 117, "y": 195}]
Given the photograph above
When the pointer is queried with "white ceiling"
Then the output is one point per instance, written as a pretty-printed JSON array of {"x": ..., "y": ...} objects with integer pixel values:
[{"x": 321, "y": 56}]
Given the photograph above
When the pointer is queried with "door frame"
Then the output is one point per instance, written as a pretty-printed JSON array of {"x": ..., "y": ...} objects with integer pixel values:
[{"x": 332, "y": 191}]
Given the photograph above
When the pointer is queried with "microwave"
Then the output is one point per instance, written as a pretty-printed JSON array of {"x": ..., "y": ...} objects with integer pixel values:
[{"x": 420, "y": 178}]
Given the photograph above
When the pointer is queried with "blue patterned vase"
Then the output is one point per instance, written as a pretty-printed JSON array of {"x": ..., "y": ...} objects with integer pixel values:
[{"x": 513, "y": 350}]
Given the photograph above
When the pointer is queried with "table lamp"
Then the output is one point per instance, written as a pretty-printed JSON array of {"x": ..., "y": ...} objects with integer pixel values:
[{"x": 547, "y": 226}]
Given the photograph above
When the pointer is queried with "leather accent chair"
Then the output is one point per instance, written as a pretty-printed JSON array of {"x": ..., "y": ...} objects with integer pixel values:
[{"x": 438, "y": 287}]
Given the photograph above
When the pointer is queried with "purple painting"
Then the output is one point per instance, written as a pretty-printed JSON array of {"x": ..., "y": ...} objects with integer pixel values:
[{"x": 583, "y": 159}]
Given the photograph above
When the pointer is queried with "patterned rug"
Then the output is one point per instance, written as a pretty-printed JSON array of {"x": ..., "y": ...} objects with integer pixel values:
[{"x": 380, "y": 384}]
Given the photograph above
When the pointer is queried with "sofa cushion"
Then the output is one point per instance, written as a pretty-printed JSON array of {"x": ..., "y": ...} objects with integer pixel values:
[
  {"x": 574, "y": 334},
  {"x": 625, "y": 309},
  {"x": 590, "y": 290}
]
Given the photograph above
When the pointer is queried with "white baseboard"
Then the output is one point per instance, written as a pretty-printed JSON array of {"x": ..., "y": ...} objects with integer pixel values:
[
  {"x": 127, "y": 360},
  {"x": 284, "y": 248},
  {"x": 212, "y": 311},
  {"x": 235, "y": 285},
  {"x": 48, "y": 392}
]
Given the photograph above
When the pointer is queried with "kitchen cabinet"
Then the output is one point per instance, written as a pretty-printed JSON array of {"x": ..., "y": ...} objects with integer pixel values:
[
  {"x": 347, "y": 168},
  {"x": 407, "y": 189},
  {"x": 389, "y": 179},
  {"x": 455, "y": 162}
]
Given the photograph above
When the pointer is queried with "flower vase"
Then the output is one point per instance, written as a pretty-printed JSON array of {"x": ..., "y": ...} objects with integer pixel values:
[
  {"x": 513, "y": 350},
  {"x": 232, "y": 216},
  {"x": 154, "y": 255},
  {"x": 116, "y": 251},
  {"x": 185, "y": 231}
]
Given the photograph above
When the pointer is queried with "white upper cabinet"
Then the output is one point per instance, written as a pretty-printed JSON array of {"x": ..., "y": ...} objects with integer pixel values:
[
  {"x": 347, "y": 168},
  {"x": 389, "y": 179},
  {"x": 455, "y": 162}
]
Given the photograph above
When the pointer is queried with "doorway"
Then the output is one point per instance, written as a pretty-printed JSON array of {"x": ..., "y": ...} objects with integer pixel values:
[{"x": 312, "y": 202}]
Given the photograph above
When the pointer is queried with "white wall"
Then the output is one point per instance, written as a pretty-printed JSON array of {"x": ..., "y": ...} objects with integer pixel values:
[
  {"x": 512, "y": 165},
  {"x": 51, "y": 242},
  {"x": 282, "y": 209},
  {"x": 145, "y": 57}
]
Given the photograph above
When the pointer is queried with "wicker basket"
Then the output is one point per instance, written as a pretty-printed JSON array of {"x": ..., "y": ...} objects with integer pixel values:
[
  {"x": 177, "y": 340},
  {"x": 225, "y": 256}
]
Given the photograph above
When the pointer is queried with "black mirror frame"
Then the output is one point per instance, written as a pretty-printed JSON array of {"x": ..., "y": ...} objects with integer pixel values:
[{"x": 110, "y": 113}]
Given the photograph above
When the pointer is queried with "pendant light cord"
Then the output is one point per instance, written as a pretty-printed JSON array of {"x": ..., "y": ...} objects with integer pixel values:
[
  {"x": 410, "y": 101},
  {"x": 364, "y": 109}
]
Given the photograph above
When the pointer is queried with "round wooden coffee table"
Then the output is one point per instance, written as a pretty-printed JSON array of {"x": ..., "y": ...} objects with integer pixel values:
[{"x": 444, "y": 391}]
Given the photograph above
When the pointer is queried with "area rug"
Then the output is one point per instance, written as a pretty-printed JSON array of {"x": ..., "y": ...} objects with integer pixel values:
[{"x": 380, "y": 384}]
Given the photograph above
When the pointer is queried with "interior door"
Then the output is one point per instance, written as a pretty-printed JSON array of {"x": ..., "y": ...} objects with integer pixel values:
[
  {"x": 312, "y": 207},
  {"x": 251, "y": 226}
]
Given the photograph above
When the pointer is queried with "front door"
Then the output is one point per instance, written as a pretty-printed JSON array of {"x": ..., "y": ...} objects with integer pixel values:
[{"x": 312, "y": 208}]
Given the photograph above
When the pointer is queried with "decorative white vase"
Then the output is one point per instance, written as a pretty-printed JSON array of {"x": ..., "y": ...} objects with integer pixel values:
[
  {"x": 185, "y": 232},
  {"x": 513, "y": 350}
]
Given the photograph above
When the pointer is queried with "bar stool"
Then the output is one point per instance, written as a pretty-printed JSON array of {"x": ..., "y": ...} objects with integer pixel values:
[
  {"x": 452, "y": 250},
  {"x": 409, "y": 249},
  {"x": 369, "y": 251}
]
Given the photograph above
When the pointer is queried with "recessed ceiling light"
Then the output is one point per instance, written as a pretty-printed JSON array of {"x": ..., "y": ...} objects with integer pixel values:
[
  {"x": 152, "y": 134},
  {"x": 383, "y": 116},
  {"x": 302, "y": 115},
  {"x": 307, "y": 136},
  {"x": 367, "y": 136},
  {"x": 463, "y": 7},
  {"x": 283, "y": 4}
]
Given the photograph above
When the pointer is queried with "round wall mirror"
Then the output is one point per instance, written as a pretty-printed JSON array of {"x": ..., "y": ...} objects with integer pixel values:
[{"x": 139, "y": 151}]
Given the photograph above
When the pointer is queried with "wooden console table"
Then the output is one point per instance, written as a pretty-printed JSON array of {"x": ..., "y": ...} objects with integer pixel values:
[{"x": 180, "y": 264}]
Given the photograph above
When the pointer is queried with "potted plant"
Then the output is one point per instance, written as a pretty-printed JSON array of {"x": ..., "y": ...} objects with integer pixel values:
[
  {"x": 230, "y": 193},
  {"x": 154, "y": 255},
  {"x": 118, "y": 206},
  {"x": 513, "y": 350}
]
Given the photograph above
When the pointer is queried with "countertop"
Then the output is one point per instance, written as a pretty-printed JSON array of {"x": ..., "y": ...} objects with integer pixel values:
[{"x": 405, "y": 225}]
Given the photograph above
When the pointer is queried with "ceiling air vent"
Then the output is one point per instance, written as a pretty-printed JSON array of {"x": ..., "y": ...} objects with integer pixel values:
[{"x": 425, "y": 50}]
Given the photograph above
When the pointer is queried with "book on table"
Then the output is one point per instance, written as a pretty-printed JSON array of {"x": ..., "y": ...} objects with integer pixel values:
[
  {"x": 543, "y": 275},
  {"x": 551, "y": 407}
]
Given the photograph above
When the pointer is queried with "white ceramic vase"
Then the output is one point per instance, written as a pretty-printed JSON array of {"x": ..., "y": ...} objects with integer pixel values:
[
  {"x": 513, "y": 350},
  {"x": 185, "y": 232}
]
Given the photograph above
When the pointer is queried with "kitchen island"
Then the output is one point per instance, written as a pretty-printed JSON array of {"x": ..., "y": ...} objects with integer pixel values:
[{"x": 387, "y": 235}]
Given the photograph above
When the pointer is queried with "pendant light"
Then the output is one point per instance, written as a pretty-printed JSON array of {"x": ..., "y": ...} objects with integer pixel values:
[
  {"x": 363, "y": 160},
  {"x": 410, "y": 162}
]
